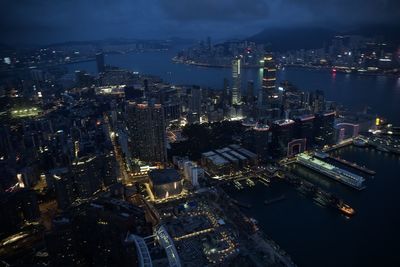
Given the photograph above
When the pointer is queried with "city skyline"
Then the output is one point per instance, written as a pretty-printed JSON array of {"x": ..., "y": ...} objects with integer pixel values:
[{"x": 279, "y": 147}]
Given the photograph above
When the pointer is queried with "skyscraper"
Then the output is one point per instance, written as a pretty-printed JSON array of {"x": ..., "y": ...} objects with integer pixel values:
[
  {"x": 146, "y": 128},
  {"x": 226, "y": 92},
  {"x": 250, "y": 92},
  {"x": 100, "y": 62},
  {"x": 236, "y": 81},
  {"x": 268, "y": 82}
]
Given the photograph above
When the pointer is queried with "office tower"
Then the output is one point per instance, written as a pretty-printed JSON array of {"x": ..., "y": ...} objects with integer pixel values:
[
  {"x": 250, "y": 92},
  {"x": 62, "y": 181},
  {"x": 324, "y": 128},
  {"x": 304, "y": 129},
  {"x": 146, "y": 128},
  {"x": 282, "y": 134},
  {"x": 317, "y": 101},
  {"x": 87, "y": 175},
  {"x": 109, "y": 168},
  {"x": 100, "y": 62},
  {"x": 260, "y": 139},
  {"x": 267, "y": 93},
  {"x": 226, "y": 94},
  {"x": 236, "y": 94},
  {"x": 209, "y": 43},
  {"x": 195, "y": 100}
]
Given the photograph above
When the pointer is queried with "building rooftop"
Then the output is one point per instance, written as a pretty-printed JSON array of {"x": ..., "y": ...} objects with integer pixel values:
[{"x": 164, "y": 176}]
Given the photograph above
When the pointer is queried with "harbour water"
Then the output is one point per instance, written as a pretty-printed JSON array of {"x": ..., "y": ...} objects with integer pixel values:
[
  {"x": 380, "y": 93},
  {"x": 312, "y": 234},
  {"x": 315, "y": 235}
]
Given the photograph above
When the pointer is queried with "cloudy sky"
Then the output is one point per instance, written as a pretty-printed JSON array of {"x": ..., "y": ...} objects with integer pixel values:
[{"x": 44, "y": 21}]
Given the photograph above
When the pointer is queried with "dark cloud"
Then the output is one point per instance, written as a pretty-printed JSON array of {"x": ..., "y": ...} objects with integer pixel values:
[
  {"x": 36, "y": 21},
  {"x": 215, "y": 10}
]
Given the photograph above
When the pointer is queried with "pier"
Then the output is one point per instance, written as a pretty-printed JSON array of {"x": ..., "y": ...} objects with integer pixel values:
[
  {"x": 353, "y": 165},
  {"x": 350, "y": 179}
]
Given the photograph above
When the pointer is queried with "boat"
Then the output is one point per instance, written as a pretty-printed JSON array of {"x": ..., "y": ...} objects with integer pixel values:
[
  {"x": 346, "y": 209},
  {"x": 359, "y": 142}
]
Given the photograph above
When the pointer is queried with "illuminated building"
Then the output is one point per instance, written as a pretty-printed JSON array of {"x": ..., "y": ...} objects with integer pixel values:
[
  {"x": 317, "y": 100},
  {"x": 62, "y": 181},
  {"x": 345, "y": 130},
  {"x": 195, "y": 100},
  {"x": 146, "y": 127},
  {"x": 268, "y": 89},
  {"x": 165, "y": 183},
  {"x": 192, "y": 172},
  {"x": 324, "y": 130},
  {"x": 282, "y": 135},
  {"x": 260, "y": 140},
  {"x": 305, "y": 129},
  {"x": 87, "y": 175},
  {"x": 236, "y": 93}
]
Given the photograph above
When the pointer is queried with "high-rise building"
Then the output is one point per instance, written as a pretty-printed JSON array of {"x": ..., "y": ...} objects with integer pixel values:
[
  {"x": 268, "y": 90},
  {"x": 282, "y": 134},
  {"x": 87, "y": 175},
  {"x": 100, "y": 62},
  {"x": 324, "y": 128},
  {"x": 317, "y": 101},
  {"x": 250, "y": 92},
  {"x": 146, "y": 128},
  {"x": 305, "y": 129},
  {"x": 63, "y": 186},
  {"x": 236, "y": 94},
  {"x": 226, "y": 94},
  {"x": 195, "y": 100}
]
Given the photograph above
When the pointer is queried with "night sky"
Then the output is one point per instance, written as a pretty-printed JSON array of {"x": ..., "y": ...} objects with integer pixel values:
[{"x": 44, "y": 21}]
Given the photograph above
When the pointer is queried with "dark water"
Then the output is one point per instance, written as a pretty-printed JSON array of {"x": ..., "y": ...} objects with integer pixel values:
[
  {"x": 380, "y": 93},
  {"x": 313, "y": 235},
  {"x": 318, "y": 236}
]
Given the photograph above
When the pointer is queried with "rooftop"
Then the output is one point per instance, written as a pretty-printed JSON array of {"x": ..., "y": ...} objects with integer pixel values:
[{"x": 164, "y": 176}]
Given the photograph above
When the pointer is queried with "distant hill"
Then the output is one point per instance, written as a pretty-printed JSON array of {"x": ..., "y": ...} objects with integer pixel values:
[{"x": 284, "y": 39}]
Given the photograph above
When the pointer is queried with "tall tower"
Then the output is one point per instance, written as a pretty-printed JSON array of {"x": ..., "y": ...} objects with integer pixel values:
[
  {"x": 100, "y": 62},
  {"x": 146, "y": 128},
  {"x": 268, "y": 82},
  {"x": 236, "y": 81}
]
